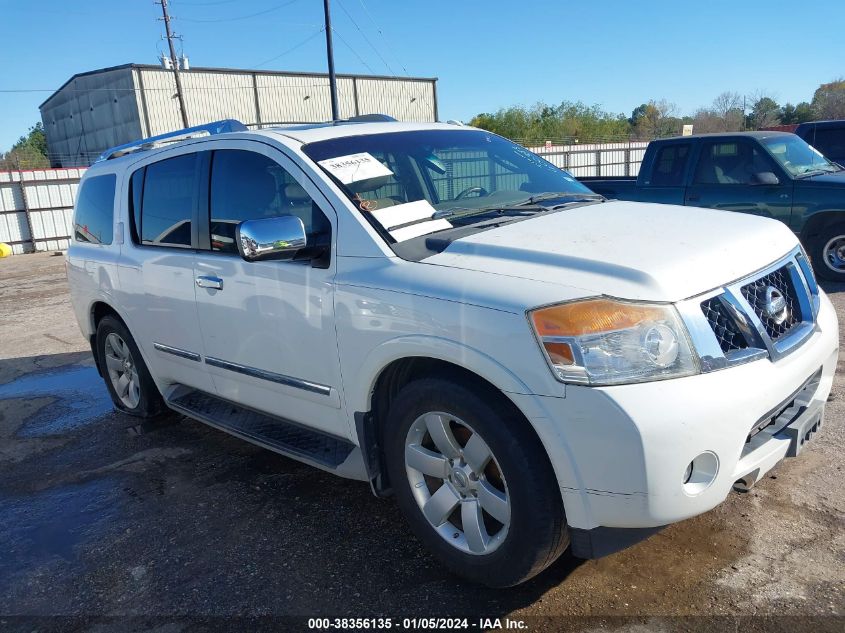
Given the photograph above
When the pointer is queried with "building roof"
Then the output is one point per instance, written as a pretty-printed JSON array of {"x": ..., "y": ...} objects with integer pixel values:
[{"x": 211, "y": 69}]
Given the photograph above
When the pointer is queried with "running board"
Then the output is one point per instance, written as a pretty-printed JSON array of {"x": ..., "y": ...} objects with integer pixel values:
[{"x": 282, "y": 436}]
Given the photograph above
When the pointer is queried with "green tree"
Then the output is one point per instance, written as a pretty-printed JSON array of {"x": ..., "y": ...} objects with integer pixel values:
[
  {"x": 792, "y": 114},
  {"x": 829, "y": 100},
  {"x": 655, "y": 119},
  {"x": 29, "y": 152},
  {"x": 764, "y": 113},
  {"x": 566, "y": 122}
]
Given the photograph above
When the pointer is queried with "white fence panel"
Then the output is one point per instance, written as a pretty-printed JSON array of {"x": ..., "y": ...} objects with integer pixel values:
[{"x": 46, "y": 196}]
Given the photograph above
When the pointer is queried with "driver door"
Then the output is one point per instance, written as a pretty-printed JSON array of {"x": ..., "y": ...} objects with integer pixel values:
[
  {"x": 723, "y": 179},
  {"x": 268, "y": 326}
]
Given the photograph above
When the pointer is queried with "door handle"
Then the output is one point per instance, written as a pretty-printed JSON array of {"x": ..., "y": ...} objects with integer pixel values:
[{"x": 208, "y": 281}]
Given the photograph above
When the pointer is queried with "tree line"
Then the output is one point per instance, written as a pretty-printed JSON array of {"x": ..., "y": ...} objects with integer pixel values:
[
  {"x": 729, "y": 112},
  {"x": 29, "y": 152}
]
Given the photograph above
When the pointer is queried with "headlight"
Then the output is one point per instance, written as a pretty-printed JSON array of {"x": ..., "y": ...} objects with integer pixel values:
[{"x": 609, "y": 342}]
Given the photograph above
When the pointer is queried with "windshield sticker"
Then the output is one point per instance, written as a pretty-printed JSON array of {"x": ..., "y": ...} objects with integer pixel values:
[
  {"x": 412, "y": 219},
  {"x": 391, "y": 217},
  {"x": 355, "y": 167},
  {"x": 415, "y": 230}
]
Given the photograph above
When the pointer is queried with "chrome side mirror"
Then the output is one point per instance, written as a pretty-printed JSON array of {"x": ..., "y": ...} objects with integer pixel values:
[{"x": 270, "y": 238}]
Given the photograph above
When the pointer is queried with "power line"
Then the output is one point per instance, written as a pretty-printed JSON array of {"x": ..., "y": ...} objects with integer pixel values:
[
  {"x": 292, "y": 48},
  {"x": 240, "y": 17},
  {"x": 354, "y": 52},
  {"x": 366, "y": 39},
  {"x": 383, "y": 38}
]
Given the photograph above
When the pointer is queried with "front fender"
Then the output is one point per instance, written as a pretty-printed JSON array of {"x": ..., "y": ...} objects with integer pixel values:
[{"x": 424, "y": 346}]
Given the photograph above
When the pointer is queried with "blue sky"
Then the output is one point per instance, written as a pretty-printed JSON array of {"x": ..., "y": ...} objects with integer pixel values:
[{"x": 486, "y": 54}]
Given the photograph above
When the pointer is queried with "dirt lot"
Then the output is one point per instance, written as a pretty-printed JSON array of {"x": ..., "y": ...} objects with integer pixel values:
[{"x": 101, "y": 516}]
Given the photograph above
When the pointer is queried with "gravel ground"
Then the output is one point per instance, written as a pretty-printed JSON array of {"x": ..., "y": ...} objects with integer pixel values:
[{"x": 102, "y": 517}]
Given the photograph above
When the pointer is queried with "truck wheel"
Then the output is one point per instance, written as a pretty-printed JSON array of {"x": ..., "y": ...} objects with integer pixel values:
[
  {"x": 828, "y": 253},
  {"x": 126, "y": 376},
  {"x": 474, "y": 482}
]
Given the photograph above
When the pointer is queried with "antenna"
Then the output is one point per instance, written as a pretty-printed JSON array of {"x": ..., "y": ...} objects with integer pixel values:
[{"x": 174, "y": 61}]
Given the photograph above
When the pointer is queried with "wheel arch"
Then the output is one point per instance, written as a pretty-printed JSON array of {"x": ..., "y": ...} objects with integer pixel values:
[
  {"x": 381, "y": 382},
  {"x": 818, "y": 222}
]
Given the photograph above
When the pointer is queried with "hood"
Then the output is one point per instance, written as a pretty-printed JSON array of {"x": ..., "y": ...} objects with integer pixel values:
[
  {"x": 630, "y": 250},
  {"x": 835, "y": 179}
]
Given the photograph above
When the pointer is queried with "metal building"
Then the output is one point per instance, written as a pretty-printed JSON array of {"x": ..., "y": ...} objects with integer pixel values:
[{"x": 99, "y": 109}]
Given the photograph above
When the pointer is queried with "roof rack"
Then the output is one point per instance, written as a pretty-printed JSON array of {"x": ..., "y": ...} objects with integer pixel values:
[
  {"x": 369, "y": 118},
  {"x": 207, "y": 129}
]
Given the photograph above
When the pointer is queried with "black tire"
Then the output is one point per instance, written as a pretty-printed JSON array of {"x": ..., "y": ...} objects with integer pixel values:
[
  {"x": 536, "y": 535},
  {"x": 817, "y": 247},
  {"x": 150, "y": 403}
]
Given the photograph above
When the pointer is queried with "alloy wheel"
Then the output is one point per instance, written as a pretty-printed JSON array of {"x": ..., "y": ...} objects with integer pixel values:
[
  {"x": 457, "y": 483},
  {"x": 122, "y": 371}
]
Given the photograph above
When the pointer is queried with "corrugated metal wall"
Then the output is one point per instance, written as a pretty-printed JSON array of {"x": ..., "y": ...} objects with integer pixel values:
[
  {"x": 106, "y": 108},
  {"x": 89, "y": 114},
  {"x": 46, "y": 196}
]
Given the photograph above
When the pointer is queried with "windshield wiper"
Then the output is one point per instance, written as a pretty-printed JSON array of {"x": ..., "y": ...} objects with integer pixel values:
[{"x": 554, "y": 195}]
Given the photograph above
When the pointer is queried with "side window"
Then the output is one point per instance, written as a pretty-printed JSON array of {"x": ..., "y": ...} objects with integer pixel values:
[
  {"x": 730, "y": 163},
  {"x": 168, "y": 200},
  {"x": 136, "y": 190},
  {"x": 249, "y": 186},
  {"x": 93, "y": 221},
  {"x": 669, "y": 165},
  {"x": 830, "y": 142}
]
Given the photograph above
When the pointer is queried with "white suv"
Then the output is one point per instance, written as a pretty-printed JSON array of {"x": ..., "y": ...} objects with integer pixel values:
[{"x": 445, "y": 315}]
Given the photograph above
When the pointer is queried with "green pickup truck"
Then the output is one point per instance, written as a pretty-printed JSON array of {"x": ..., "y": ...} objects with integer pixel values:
[{"x": 773, "y": 174}]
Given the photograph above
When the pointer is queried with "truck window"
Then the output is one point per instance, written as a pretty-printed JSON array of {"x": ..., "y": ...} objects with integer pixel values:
[
  {"x": 830, "y": 142},
  {"x": 93, "y": 221},
  {"x": 249, "y": 186},
  {"x": 168, "y": 201},
  {"x": 669, "y": 166},
  {"x": 729, "y": 163}
]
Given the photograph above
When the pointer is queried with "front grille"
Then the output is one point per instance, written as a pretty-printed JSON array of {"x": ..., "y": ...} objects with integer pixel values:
[
  {"x": 724, "y": 327},
  {"x": 755, "y": 293}
]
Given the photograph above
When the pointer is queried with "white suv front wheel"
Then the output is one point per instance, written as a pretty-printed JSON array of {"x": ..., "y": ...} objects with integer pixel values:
[{"x": 474, "y": 481}]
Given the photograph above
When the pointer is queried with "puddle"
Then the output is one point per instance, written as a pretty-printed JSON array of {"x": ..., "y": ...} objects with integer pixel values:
[
  {"x": 80, "y": 398},
  {"x": 54, "y": 525}
]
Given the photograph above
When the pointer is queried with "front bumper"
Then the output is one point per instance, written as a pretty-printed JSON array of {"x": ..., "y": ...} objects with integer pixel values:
[{"x": 620, "y": 453}]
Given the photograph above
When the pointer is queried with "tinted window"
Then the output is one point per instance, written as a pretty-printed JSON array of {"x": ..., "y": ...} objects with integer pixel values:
[
  {"x": 169, "y": 196},
  {"x": 732, "y": 163},
  {"x": 669, "y": 165},
  {"x": 93, "y": 221},
  {"x": 250, "y": 186},
  {"x": 830, "y": 142}
]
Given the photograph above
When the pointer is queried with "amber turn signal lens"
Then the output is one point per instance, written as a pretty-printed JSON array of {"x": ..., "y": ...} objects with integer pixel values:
[
  {"x": 560, "y": 353},
  {"x": 591, "y": 317}
]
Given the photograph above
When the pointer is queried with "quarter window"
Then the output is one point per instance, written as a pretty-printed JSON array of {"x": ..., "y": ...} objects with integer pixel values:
[
  {"x": 250, "y": 186},
  {"x": 669, "y": 166},
  {"x": 93, "y": 221},
  {"x": 168, "y": 201}
]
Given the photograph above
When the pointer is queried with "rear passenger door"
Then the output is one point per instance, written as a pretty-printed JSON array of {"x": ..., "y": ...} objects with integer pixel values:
[
  {"x": 724, "y": 178},
  {"x": 156, "y": 267},
  {"x": 268, "y": 326}
]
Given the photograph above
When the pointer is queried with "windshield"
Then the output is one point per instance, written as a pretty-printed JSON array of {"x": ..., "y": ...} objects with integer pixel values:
[
  {"x": 420, "y": 182},
  {"x": 796, "y": 157}
]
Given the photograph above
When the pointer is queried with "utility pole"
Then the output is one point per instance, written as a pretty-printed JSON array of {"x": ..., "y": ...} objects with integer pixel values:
[
  {"x": 174, "y": 62},
  {"x": 330, "y": 55}
]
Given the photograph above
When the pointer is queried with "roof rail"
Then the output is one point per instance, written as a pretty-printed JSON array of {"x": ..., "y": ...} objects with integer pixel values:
[
  {"x": 198, "y": 131},
  {"x": 369, "y": 118}
]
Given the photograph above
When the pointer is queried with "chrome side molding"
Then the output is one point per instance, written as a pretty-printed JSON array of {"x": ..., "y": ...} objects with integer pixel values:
[
  {"x": 181, "y": 353},
  {"x": 263, "y": 374}
]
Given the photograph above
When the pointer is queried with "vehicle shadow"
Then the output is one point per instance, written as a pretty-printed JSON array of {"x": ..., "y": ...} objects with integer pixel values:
[{"x": 217, "y": 525}]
